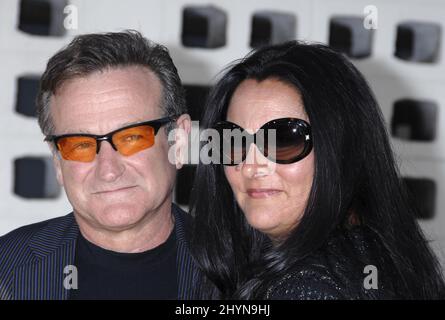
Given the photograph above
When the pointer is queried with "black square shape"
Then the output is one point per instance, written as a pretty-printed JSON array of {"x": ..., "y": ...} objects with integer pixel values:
[
  {"x": 35, "y": 17},
  {"x": 203, "y": 27},
  {"x": 27, "y": 89},
  {"x": 261, "y": 31},
  {"x": 34, "y": 177},
  {"x": 414, "y": 120},
  {"x": 196, "y": 96}
]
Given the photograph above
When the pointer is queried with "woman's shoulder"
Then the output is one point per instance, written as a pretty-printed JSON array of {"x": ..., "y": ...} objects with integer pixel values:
[
  {"x": 348, "y": 266},
  {"x": 309, "y": 282}
]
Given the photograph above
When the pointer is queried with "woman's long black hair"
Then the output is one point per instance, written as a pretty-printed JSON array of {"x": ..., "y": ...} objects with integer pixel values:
[{"x": 355, "y": 173}]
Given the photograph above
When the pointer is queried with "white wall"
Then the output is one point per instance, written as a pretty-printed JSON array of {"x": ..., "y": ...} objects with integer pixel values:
[{"x": 160, "y": 21}]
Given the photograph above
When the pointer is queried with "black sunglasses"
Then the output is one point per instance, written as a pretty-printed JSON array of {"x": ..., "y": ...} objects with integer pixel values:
[
  {"x": 293, "y": 141},
  {"x": 127, "y": 140}
]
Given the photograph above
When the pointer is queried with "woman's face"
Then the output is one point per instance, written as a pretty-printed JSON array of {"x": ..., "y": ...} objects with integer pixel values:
[{"x": 272, "y": 196}]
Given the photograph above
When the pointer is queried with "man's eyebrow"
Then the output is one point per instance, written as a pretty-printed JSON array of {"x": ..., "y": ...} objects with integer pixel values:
[
  {"x": 122, "y": 125},
  {"x": 129, "y": 123}
]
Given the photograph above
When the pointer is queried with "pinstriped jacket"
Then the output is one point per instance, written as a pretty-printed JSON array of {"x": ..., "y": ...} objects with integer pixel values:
[{"x": 33, "y": 258}]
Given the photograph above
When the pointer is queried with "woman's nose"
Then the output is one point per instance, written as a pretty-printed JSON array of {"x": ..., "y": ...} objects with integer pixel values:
[{"x": 256, "y": 164}]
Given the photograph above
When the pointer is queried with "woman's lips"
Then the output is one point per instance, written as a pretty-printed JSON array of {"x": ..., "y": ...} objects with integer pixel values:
[{"x": 262, "y": 193}]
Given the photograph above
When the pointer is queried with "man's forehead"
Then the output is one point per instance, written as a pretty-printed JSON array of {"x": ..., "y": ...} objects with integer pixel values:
[
  {"x": 140, "y": 79},
  {"x": 106, "y": 101}
]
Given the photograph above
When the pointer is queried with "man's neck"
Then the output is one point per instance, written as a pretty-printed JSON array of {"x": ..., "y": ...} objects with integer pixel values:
[{"x": 153, "y": 230}]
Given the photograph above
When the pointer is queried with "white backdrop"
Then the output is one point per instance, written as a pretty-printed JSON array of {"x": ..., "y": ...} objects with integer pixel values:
[{"x": 161, "y": 20}]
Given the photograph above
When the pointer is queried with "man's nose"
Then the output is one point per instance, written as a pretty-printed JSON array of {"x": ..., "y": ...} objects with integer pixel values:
[
  {"x": 256, "y": 164},
  {"x": 109, "y": 163}
]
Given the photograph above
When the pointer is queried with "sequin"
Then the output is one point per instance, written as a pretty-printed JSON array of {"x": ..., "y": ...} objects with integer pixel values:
[{"x": 336, "y": 271}]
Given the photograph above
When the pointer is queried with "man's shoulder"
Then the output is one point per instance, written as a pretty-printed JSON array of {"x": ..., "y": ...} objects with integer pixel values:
[
  {"x": 21, "y": 236},
  {"x": 182, "y": 218}
]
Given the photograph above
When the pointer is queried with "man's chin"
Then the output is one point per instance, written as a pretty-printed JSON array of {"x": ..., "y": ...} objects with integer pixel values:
[{"x": 117, "y": 218}]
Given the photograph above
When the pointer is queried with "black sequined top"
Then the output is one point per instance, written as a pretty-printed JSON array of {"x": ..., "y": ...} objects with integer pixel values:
[{"x": 337, "y": 271}]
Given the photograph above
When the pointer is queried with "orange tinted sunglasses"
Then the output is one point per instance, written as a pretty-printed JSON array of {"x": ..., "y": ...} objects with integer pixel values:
[{"x": 127, "y": 140}]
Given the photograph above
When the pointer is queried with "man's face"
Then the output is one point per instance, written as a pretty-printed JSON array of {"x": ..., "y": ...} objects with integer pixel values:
[{"x": 114, "y": 192}]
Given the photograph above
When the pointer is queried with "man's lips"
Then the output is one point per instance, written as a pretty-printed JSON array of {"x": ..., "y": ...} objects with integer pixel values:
[
  {"x": 259, "y": 193},
  {"x": 114, "y": 190}
]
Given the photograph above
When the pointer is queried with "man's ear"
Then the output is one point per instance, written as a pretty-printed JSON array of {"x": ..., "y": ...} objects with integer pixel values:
[
  {"x": 182, "y": 133},
  {"x": 57, "y": 165}
]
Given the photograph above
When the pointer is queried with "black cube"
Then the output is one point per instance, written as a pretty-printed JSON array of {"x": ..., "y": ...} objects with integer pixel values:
[
  {"x": 196, "y": 96},
  {"x": 348, "y": 35},
  {"x": 272, "y": 27},
  {"x": 42, "y": 17},
  {"x": 418, "y": 41},
  {"x": 414, "y": 120},
  {"x": 204, "y": 27},
  {"x": 27, "y": 89},
  {"x": 34, "y": 177}
]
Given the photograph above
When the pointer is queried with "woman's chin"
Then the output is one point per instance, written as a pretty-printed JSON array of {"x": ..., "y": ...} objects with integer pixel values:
[{"x": 262, "y": 220}]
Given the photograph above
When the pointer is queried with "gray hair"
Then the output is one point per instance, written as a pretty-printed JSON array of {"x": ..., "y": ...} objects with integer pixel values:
[{"x": 89, "y": 53}]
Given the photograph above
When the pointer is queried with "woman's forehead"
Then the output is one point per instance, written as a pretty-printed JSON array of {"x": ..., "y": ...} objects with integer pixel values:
[{"x": 255, "y": 103}]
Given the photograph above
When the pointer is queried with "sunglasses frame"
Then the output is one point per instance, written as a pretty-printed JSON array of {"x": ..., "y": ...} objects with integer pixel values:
[
  {"x": 155, "y": 124},
  {"x": 308, "y": 144}
]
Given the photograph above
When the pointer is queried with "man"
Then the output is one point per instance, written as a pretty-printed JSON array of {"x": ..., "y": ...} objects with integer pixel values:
[{"x": 106, "y": 105}]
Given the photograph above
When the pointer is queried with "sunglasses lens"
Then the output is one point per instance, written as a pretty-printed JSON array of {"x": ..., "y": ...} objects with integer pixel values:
[
  {"x": 236, "y": 153},
  {"x": 233, "y": 144},
  {"x": 291, "y": 144},
  {"x": 135, "y": 139},
  {"x": 77, "y": 148},
  {"x": 282, "y": 141}
]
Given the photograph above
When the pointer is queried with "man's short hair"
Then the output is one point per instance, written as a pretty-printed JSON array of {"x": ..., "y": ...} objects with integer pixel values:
[{"x": 90, "y": 53}]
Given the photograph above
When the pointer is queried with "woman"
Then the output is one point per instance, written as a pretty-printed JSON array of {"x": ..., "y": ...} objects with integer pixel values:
[{"x": 325, "y": 216}]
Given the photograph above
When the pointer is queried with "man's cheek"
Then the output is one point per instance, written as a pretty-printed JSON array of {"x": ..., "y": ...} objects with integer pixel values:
[{"x": 73, "y": 178}]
